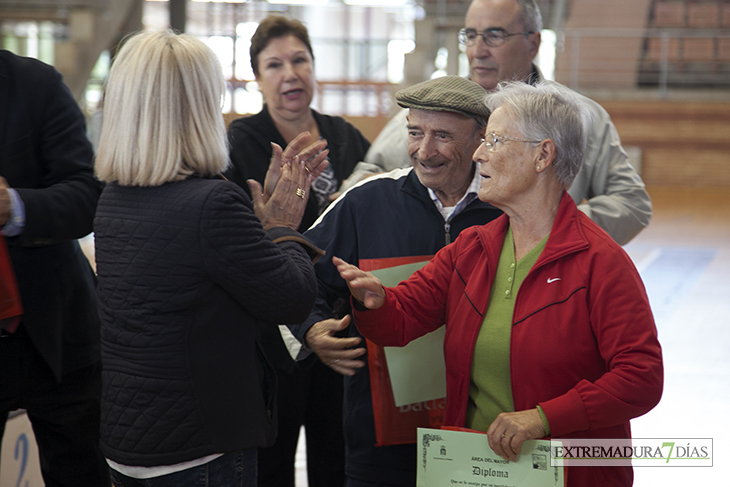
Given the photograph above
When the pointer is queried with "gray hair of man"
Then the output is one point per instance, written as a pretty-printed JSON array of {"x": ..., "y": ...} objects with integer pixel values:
[
  {"x": 548, "y": 110},
  {"x": 531, "y": 17}
]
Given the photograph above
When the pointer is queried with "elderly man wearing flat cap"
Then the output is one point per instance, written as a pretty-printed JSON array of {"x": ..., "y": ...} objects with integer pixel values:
[
  {"x": 388, "y": 220},
  {"x": 501, "y": 38}
]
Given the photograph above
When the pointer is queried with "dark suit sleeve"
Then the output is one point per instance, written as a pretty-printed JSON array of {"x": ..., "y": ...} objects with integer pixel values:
[{"x": 61, "y": 200}]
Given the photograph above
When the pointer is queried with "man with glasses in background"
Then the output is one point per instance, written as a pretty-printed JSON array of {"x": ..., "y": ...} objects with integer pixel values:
[{"x": 502, "y": 37}]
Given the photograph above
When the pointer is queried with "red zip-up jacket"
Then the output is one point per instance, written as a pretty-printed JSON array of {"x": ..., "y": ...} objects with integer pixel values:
[{"x": 583, "y": 346}]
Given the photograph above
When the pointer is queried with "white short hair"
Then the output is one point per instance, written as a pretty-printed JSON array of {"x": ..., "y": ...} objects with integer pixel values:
[
  {"x": 548, "y": 110},
  {"x": 162, "y": 118}
]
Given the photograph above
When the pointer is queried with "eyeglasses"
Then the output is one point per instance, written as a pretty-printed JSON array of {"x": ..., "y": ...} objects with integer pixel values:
[
  {"x": 491, "y": 140},
  {"x": 492, "y": 37}
]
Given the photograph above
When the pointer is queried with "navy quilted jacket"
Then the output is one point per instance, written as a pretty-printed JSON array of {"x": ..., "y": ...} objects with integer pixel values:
[{"x": 185, "y": 272}]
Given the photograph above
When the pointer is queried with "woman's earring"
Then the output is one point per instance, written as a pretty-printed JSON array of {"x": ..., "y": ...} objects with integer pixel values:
[{"x": 538, "y": 168}]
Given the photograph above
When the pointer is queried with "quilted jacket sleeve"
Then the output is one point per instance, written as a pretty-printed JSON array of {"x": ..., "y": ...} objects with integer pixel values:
[
  {"x": 335, "y": 232},
  {"x": 273, "y": 282}
]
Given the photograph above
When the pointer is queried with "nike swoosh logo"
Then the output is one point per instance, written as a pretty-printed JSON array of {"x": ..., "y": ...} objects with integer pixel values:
[{"x": 553, "y": 279}]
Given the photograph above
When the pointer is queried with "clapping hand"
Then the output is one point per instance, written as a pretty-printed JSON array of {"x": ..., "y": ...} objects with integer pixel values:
[{"x": 313, "y": 155}]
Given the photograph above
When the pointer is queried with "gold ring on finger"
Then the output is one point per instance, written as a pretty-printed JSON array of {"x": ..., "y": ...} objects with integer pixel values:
[{"x": 301, "y": 193}]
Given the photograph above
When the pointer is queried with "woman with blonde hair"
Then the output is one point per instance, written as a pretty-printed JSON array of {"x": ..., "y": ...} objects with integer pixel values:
[{"x": 188, "y": 268}]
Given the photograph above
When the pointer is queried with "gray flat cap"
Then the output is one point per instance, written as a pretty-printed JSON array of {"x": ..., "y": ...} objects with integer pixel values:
[{"x": 447, "y": 94}]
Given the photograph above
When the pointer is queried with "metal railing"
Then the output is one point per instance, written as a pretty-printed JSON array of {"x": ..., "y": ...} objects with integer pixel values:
[{"x": 658, "y": 58}]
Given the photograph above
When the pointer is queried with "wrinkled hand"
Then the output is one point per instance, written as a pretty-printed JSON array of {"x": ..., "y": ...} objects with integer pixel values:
[
  {"x": 313, "y": 155},
  {"x": 508, "y": 432},
  {"x": 335, "y": 352},
  {"x": 285, "y": 206},
  {"x": 364, "y": 286},
  {"x": 4, "y": 202}
]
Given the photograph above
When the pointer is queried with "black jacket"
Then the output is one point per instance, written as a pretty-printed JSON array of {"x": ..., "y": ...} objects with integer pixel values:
[
  {"x": 185, "y": 271},
  {"x": 46, "y": 157}
]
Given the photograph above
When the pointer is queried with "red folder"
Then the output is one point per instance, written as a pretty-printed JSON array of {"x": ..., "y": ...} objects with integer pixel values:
[
  {"x": 396, "y": 425},
  {"x": 10, "y": 305}
]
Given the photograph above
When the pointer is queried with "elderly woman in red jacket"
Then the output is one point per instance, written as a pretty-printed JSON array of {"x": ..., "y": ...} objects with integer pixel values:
[{"x": 548, "y": 327}]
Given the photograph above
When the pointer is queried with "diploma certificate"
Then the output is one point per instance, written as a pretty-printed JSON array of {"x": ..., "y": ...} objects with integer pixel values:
[{"x": 450, "y": 458}]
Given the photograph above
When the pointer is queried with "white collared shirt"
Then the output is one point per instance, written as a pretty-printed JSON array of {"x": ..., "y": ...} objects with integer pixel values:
[{"x": 449, "y": 212}]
